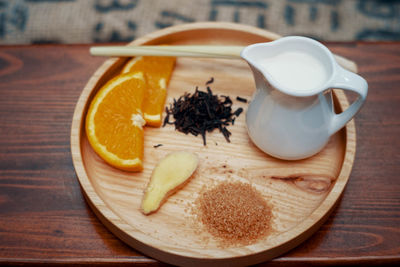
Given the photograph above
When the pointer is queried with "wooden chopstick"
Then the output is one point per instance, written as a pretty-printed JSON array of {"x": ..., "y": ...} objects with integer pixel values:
[
  {"x": 214, "y": 51},
  {"x": 210, "y": 51}
]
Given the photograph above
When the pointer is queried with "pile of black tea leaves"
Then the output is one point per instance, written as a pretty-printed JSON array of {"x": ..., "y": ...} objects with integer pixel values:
[{"x": 202, "y": 112}]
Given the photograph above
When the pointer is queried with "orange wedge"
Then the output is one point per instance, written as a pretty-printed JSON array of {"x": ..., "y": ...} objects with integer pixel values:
[
  {"x": 114, "y": 122},
  {"x": 157, "y": 71}
]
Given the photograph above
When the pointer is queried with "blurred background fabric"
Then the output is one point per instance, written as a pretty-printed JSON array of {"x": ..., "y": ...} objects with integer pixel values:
[{"x": 99, "y": 21}]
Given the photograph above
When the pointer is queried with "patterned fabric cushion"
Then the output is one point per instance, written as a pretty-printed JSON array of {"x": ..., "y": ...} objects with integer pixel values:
[{"x": 88, "y": 21}]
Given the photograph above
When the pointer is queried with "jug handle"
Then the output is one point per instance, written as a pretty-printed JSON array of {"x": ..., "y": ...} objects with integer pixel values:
[{"x": 348, "y": 80}]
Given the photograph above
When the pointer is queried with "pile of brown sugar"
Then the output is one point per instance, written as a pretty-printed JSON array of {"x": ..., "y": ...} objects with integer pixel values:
[{"x": 234, "y": 212}]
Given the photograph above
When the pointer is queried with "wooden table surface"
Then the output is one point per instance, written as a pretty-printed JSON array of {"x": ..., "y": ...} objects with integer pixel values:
[{"x": 44, "y": 218}]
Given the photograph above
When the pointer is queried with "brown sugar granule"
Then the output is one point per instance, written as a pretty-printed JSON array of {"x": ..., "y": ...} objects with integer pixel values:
[{"x": 234, "y": 212}]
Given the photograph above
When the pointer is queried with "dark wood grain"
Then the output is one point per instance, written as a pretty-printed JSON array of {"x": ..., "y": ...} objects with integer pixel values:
[{"x": 45, "y": 219}]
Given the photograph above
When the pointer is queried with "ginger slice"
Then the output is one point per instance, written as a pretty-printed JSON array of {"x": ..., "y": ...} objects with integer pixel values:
[{"x": 169, "y": 175}]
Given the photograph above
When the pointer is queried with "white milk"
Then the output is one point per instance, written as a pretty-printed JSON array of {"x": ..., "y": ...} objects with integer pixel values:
[{"x": 296, "y": 70}]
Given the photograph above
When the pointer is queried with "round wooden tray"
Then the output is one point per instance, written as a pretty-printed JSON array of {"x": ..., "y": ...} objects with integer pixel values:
[{"x": 301, "y": 194}]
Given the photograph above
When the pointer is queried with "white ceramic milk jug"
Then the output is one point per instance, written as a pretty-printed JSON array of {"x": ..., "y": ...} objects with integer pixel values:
[{"x": 291, "y": 115}]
